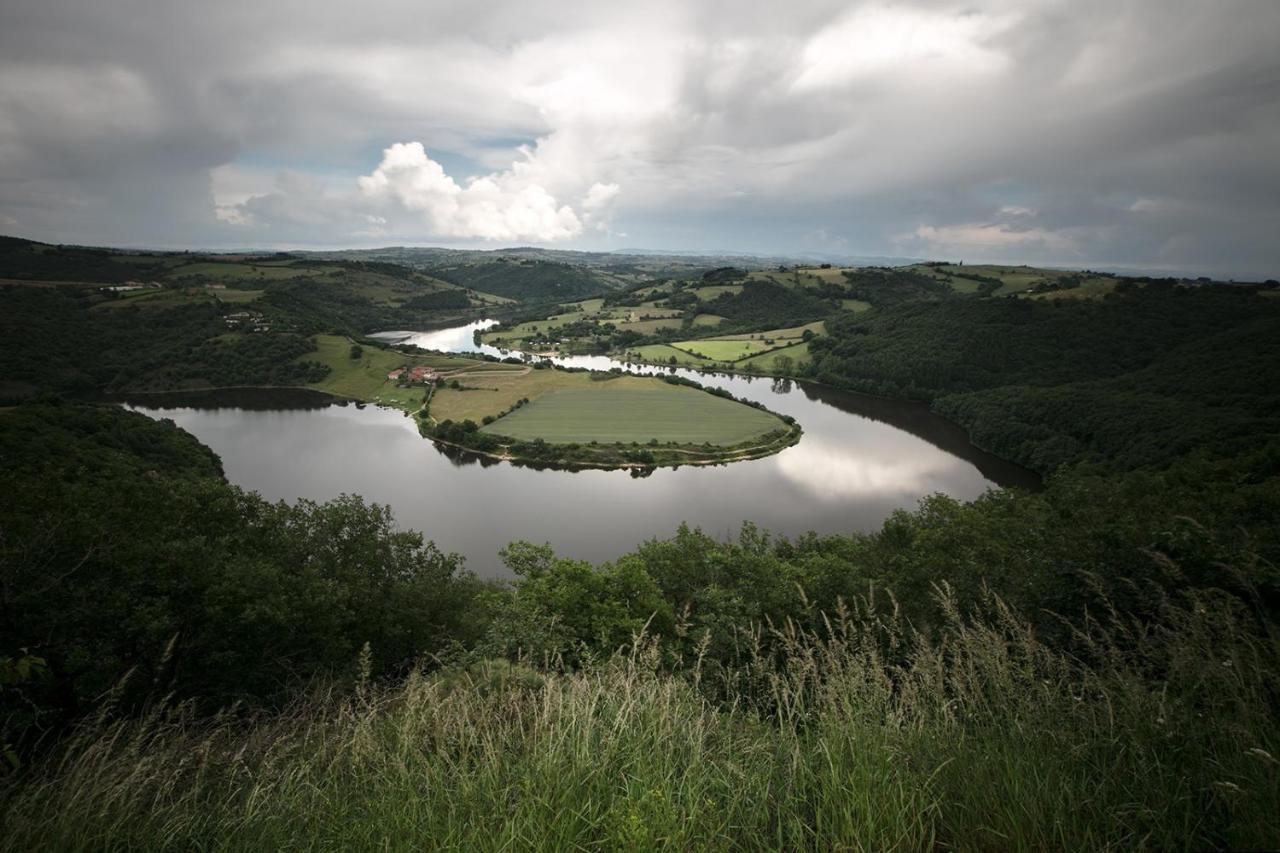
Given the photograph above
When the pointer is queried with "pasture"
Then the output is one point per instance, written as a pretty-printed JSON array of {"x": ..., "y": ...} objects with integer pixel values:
[
  {"x": 236, "y": 296},
  {"x": 711, "y": 291},
  {"x": 793, "y": 333},
  {"x": 622, "y": 411},
  {"x": 664, "y": 354},
  {"x": 240, "y": 272},
  {"x": 722, "y": 350},
  {"x": 767, "y": 362}
]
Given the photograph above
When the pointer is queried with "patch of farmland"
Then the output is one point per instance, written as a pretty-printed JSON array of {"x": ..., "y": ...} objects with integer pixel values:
[
  {"x": 664, "y": 354},
  {"x": 768, "y": 362},
  {"x": 722, "y": 350},
  {"x": 711, "y": 291},
  {"x": 613, "y": 413}
]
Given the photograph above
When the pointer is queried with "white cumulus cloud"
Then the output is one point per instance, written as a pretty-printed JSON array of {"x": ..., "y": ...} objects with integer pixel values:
[{"x": 500, "y": 206}]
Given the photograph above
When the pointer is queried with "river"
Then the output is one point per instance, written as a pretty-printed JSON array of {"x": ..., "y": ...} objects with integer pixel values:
[{"x": 860, "y": 459}]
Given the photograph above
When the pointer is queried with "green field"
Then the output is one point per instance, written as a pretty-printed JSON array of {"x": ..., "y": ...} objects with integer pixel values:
[
  {"x": 767, "y": 362},
  {"x": 236, "y": 296},
  {"x": 365, "y": 378},
  {"x": 648, "y": 327},
  {"x": 721, "y": 350},
  {"x": 857, "y": 306},
  {"x": 793, "y": 333},
  {"x": 1090, "y": 288},
  {"x": 490, "y": 393},
  {"x": 663, "y": 354},
  {"x": 166, "y": 298},
  {"x": 713, "y": 290},
  {"x": 708, "y": 320},
  {"x": 213, "y": 269},
  {"x": 639, "y": 412}
]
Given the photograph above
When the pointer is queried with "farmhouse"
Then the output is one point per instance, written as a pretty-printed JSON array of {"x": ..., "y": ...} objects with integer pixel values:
[
  {"x": 395, "y": 374},
  {"x": 421, "y": 373}
]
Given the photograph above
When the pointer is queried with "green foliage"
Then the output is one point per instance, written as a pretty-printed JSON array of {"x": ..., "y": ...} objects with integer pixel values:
[
  {"x": 54, "y": 342},
  {"x": 863, "y": 734},
  {"x": 130, "y": 565},
  {"x": 770, "y": 304},
  {"x": 528, "y": 280},
  {"x": 441, "y": 300},
  {"x": 1135, "y": 380}
]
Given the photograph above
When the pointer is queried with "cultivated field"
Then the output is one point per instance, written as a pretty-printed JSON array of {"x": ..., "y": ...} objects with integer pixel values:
[
  {"x": 722, "y": 350},
  {"x": 485, "y": 394},
  {"x": 641, "y": 411}
]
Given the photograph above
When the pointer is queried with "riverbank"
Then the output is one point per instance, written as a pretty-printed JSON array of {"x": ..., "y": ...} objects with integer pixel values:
[{"x": 622, "y": 457}]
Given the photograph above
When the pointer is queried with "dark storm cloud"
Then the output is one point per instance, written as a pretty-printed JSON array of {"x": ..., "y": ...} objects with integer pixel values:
[{"x": 1115, "y": 133}]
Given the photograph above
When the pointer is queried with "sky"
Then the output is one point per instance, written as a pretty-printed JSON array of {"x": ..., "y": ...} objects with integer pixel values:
[{"x": 1120, "y": 134}]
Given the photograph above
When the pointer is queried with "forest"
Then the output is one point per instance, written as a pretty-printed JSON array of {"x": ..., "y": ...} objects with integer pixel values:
[
  {"x": 181, "y": 659},
  {"x": 1134, "y": 380}
]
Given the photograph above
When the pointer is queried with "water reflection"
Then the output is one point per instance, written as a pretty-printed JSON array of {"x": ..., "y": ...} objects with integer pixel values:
[{"x": 859, "y": 460}]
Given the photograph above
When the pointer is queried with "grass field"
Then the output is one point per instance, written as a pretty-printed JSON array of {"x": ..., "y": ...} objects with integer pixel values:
[
  {"x": 767, "y": 362},
  {"x": 708, "y": 320},
  {"x": 590, "y": 306},
  {"x": 793, "y": 333},
  {"x": 236, "y": 296},
  {"x": 713, "y": 290},
  {"x": 167, "y": 298},
  {"x": 213, "y": 269},
  {"x": 494, "y": 393},
  {"x": 857, "y": 306},
  {"x": 648, "y": 327},
  {"x": 1090, "y": 288},
  {"x": 639, "y": 411},
  {"x": 365, "y": 378},
  {"x": 663, "y": 354},
  {"x": 722, "y": 350}
]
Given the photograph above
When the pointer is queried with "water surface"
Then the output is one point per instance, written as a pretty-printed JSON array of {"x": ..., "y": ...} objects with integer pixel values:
[{"x": 860, "y": 459}]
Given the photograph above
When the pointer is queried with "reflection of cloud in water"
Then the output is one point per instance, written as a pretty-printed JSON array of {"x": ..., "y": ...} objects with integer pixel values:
[
  {"x": 832, "y": 471},
  {"x": 457, "y": 339}
]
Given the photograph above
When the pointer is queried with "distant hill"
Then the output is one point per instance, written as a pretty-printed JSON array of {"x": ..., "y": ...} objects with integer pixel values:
[{"x": 528, "y": 280}]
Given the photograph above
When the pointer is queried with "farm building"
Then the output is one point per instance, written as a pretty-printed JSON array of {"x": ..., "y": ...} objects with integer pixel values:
[{"x": 396, "y": 374}]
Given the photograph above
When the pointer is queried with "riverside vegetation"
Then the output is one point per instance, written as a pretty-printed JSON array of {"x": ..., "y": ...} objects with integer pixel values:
[{"x": 1095, "y": 665}]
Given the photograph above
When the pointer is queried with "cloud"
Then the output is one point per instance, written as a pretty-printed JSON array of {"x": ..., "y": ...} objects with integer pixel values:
[
  {"x": 880, "y": 39},
  {"x": 499, "y": 206},
  {"x": 1104, "y": 132}
]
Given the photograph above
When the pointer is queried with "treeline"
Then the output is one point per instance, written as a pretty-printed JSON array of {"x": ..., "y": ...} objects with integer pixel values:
[
  {"x": 1131, "y": 381},
  {"x": 126, "y": 552},
  {"x": 526, "y": 280},
  {"x": 135, "y": 575},
  {"x": 883, "y": 286},
  {"x": 767, "y": 302},
  {"x": 55, "y": 342},
  {"x": 26, "y": 259},
  {"x": 132, "y": 568}
]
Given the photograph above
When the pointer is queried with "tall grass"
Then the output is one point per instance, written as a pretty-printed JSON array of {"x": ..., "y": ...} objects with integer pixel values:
[{"x": 865, "y": 735}]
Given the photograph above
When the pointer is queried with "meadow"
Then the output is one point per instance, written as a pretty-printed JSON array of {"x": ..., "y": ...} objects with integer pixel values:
[
  {"x": 636, "y": 412},
  {"x": 722, "y": 350},
  {"x": 768, "y": 362}
]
